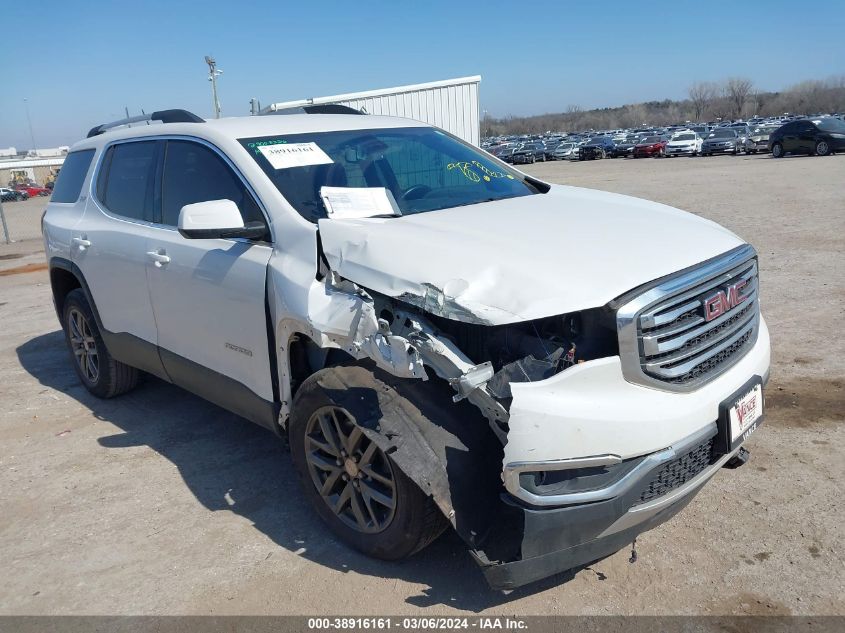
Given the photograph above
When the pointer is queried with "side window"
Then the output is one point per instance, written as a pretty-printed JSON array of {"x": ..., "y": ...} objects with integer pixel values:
[
  {"x": 69, "y": 183},
  {"x": 806, "y": 127},
  {"x": 195, "y": 173},
  {"x": 125, "y": 183}
]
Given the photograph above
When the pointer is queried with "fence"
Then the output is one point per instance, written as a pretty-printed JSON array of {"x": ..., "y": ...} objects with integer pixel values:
[{"x": 21, "y": 219}]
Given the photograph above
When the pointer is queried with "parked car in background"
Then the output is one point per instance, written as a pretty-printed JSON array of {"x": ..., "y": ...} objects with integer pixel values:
[
  {"x": 551, "y": 145},
  {"x": 809, "y": 136},
  {"x": 686, "y": 143},
  {"x": 742, "y": 132},
  {"x": 529, "y": 153},
  {"x": 33, "y": 190},
  {"x": 504, "y": 153},
  {"x": 654, "y": 146},
  {"x": 564, "y": 151},
  {"x": 597, "y": 147},
  {"x": 622, "y": 148},
  {"x": 12, "y": 195},
  {"x": 758, "y": 138},
  {"x": 722, "y": 140}
]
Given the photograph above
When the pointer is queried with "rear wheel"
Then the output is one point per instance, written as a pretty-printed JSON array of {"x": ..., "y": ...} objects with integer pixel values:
[
  {"x": 101, "y": 374},
  {"x": 777, "y": 150},
  {"x": 365, "y": 499}
]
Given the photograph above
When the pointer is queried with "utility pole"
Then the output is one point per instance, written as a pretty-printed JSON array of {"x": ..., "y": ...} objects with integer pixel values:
[
  {"x": 213, "y": 73},
  {"x": 29, "y": 120}
]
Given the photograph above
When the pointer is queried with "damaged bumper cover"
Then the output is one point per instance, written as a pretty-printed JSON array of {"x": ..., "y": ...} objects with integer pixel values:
[
  {"x": 592, "y": 461},
  {"x": 559, "y": 539}
]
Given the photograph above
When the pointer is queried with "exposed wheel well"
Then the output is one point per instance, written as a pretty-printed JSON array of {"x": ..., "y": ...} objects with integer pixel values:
[
  {"x": 305, "y": 358},
  {"x": 62, "y": 282}
]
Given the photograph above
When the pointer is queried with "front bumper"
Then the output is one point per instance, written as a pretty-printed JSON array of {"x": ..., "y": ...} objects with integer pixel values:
[
  {"x": 718, "y": 149},
  {"x": 555, "y": 540},
  {"x": 589, "y": 415},
  {"x": 680, "y": 151}
]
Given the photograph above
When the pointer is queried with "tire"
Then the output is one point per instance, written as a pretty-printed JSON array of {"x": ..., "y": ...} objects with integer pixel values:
[
  {"x": 389, "y": 533},
  {"x": 777, "y": 150},
  {"x": 822, "y": 148},
  {"x": 101, "y": 374}
]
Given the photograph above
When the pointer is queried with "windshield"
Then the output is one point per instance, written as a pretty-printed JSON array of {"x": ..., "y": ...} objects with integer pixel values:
[
  {"x": 650, "y": 140},
  {"x": 425, "y": 169},
  {"x": 831, "y": 124},
  {"x": 684, "y": 137},
  {"x": 723, "y": 133}
]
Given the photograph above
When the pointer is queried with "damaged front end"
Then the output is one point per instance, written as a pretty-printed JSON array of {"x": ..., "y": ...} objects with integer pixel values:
[{"x": 475, "y": 366}]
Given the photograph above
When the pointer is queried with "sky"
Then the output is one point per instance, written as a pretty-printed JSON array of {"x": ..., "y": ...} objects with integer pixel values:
[{"x": 78, "y": 64}]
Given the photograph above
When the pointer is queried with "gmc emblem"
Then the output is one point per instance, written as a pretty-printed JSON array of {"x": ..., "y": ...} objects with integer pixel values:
[{"x": 724, "y": 300}]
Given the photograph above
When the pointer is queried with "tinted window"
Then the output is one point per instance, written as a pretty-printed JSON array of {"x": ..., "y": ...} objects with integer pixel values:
[
  {"x": 196, "y": 173},
  {"x": 72, "y": 175},
  {"x": 125, "y": 186}
]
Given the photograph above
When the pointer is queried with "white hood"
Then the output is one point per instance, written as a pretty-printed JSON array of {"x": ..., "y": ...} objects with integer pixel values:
[{"x": 522, "y": 258}]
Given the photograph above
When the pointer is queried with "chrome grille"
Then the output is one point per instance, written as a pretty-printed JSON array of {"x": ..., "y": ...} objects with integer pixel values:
[{"x": 665, "y": 339}]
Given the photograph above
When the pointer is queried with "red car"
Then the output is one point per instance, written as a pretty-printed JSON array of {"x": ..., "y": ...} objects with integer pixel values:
[
  {"x": 33, "y": 190},
  {"x": 650, "y": 146}
]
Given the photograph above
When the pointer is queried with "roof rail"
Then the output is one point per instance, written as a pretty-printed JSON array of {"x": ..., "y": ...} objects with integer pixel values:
[
  {"x": 165, "y": 116},
  {"x": 318, "y": 108}
]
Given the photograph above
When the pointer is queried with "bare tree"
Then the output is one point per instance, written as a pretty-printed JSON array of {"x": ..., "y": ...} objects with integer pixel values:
[
  {"x": 736, "y": 90},
  {"x": 701, "y": 94}
]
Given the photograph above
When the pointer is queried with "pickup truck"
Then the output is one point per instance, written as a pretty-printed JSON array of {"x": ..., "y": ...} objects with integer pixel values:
[{"x": 444, "y": 341}]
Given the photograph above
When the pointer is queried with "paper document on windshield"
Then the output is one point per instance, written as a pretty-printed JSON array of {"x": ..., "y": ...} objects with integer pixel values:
[{"x": 358, "y": 202}]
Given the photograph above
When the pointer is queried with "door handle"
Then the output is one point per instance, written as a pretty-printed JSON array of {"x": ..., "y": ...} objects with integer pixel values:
[
  {"x": 159, "y": 259},
  {"x": 81, "y": 242}
]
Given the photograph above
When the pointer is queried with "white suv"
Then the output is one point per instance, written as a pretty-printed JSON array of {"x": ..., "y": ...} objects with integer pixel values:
[{"x": 442, "y": 339}]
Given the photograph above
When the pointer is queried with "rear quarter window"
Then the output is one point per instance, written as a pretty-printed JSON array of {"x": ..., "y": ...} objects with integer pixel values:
[{"x": 71, "y": 176}]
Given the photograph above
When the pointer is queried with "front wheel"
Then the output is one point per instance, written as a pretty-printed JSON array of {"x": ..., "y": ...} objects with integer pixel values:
[
  {"x": 101, "y": 374},
  {"x": 822, "y": 148},
  {"x": 777, "y": 150},
  {"x": 355, "y": 487}
]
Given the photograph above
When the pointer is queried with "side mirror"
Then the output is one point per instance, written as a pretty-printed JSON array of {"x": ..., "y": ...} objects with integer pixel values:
[{"x": 216, "y": 219}]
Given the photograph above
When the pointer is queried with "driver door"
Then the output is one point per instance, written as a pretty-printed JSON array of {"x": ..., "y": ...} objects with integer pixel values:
[{"x": 208, "y": 295}]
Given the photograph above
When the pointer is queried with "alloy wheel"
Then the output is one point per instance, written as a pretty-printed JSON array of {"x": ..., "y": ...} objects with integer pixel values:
[
  {"x": 350, "y": 472},
  {"x": 83, "y": 345}
]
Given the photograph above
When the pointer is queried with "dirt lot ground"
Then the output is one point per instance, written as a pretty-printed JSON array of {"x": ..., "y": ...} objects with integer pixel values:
[{"x": 160, "y": 503}]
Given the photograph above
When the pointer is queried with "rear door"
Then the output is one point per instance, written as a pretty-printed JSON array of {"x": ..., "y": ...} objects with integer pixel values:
[
  {"x": 208, "y": 295},
  {"x": 109, "y": 246}
]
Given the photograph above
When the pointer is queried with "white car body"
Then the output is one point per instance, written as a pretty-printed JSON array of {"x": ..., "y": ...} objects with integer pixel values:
[
  {"x": 494, "y": 264},
  {"x": 681, "y": 144}
]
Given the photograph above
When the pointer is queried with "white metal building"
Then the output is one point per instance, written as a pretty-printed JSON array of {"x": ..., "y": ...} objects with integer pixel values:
[{"x": 451, "y": 104}]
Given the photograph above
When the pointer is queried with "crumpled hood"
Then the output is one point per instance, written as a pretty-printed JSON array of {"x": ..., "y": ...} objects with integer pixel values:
[{"x": 522, "y": 258}]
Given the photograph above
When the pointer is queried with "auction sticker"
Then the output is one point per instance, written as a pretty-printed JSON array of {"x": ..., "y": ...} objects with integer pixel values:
[{"x": 287, "y": 155}]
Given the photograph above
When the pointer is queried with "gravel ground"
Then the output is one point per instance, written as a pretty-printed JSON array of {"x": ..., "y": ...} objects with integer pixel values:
[{"x": 159, "y": 503}]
